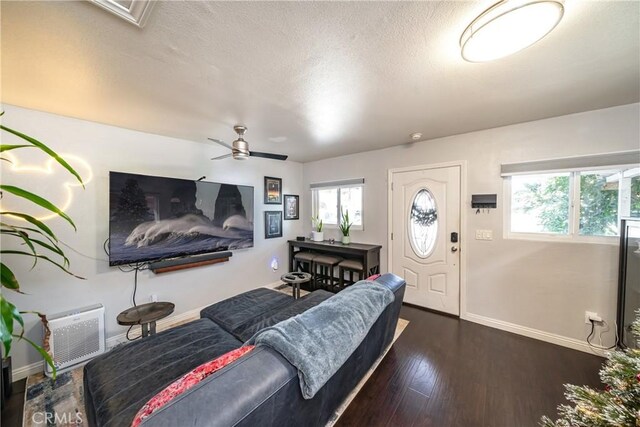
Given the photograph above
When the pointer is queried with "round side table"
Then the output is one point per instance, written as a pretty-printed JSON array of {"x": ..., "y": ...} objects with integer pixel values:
[
  {"x": 295, "y": 279},
  {"x": 146, "y": 316}
]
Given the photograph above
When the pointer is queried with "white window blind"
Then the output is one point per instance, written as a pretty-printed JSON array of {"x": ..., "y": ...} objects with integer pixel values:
[{"x": 570, "y": 164}]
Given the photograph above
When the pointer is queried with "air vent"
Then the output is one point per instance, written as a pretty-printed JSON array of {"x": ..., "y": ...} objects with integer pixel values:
[{"x": 76, "y": 336}]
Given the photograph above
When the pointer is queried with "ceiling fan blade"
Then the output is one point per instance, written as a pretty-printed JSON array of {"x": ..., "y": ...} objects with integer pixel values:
[
  {"x": 222, "y": 157},
  {"x": 268, "y": 155},
  {"x": 224, "y": 144}
]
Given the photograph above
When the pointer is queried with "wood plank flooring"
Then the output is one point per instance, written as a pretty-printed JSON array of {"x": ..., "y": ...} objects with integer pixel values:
[
  {"x": 444, "y": 372},
  {"x": 12, "y": 413}
]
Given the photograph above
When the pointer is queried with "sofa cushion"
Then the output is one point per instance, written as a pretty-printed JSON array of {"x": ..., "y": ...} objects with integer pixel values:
[
  {"x": 117, "y": 384},
  {"x": 244, "y": 309},
  {"x": 188, "y": 381},
  {"x": 298, "y": 306}
]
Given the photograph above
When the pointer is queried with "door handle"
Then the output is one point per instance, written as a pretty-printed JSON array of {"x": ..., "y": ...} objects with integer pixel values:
[{"x": 454, "y": 249}]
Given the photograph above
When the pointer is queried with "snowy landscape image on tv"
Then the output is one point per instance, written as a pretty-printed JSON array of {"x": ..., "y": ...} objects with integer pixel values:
[{"x": 153, "y": 218}]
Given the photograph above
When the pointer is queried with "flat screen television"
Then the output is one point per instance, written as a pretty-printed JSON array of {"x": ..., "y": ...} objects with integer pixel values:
[{"x": 153, "y": 218}]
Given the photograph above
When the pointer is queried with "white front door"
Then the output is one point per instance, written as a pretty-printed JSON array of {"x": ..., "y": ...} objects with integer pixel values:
[{"x": 425, "y": 227}]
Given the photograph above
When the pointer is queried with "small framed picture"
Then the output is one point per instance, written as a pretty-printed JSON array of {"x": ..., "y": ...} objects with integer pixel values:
[
  {"x": 272, "y": 190},
  {"x": 291, "y": 206},
  {"x": 272, "y": 224}
]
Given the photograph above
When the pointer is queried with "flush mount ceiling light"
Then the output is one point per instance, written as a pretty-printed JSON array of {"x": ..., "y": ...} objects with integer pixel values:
[{"x": 508, "y": 27}]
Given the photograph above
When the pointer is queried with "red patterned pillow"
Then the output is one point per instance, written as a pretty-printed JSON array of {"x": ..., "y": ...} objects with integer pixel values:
[
  {"x": 187, "y": 381},
  {"x": 374, "y": 277}
]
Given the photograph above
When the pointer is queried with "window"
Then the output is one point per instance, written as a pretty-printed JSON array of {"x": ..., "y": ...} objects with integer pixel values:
[
  {"x": 423, "y": 223},
  {"x": 540, "y": 203},
  {"x": 331, "y": 199},
  {"x": 578, "y": 205}
]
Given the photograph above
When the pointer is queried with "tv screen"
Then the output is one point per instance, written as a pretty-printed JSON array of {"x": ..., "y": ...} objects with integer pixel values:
[{"x": 153, "y": 218}]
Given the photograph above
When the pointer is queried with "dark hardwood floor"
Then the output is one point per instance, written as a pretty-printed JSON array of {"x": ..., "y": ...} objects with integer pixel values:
[
  {"x": 444, "y": 372},
  {"x": 12, "y": 412}
]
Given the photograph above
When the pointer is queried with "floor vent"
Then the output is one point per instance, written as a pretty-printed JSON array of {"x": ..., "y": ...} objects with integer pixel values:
[{"x": 76, "y": 337}]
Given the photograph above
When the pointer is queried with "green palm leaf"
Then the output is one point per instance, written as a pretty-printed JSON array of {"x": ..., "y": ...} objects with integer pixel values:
[
  {"x": 7, "y": 147},
  {"x": 52, "y": 239},
  {"x": 46, "y": 356},
  {"x": 8, "y": 314},
  {"x": 53, "y": 248},
  {"x": 11, "y": 252},
  {"x": 37, "y": 200},
  {"x": 26, "y": 240},
  {"x": 46, "y": 149},
  {"x": 8, "y": 278},
  {"x": 41, "y": 225}
]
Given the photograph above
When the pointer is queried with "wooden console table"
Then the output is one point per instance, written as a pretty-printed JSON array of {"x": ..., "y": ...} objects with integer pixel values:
[{"x": 369, "y": 255}]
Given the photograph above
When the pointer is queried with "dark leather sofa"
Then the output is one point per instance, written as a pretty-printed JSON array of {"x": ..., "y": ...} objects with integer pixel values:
[{"x": 261, "y": 388}]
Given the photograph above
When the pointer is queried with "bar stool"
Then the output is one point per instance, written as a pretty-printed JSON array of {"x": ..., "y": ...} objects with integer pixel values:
[
  {"x": 301, "y": 258},
  {"x": 323, "y": 266},
  {"x": 351, "y": 266}
]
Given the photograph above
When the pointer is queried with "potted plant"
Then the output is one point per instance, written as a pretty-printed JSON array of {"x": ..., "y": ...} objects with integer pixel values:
[
  {"x": 34, "y": 240},
  {"x": 317, "y": 234},
  {"x": 345, "y": 226}
]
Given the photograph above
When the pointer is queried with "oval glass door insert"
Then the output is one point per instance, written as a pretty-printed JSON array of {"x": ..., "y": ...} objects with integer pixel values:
[{"x": 423, "y": 223}]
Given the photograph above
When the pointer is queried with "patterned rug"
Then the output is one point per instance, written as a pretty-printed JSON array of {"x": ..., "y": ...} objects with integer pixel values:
[
  {"x": 60, "y": 403},
  {"x": 54, "y": 403}
]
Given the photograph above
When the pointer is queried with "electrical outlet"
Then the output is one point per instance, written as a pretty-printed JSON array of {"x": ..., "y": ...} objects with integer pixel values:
[
  {"x": 153, "y": 298},
  {"x": 591, "y": 315}
]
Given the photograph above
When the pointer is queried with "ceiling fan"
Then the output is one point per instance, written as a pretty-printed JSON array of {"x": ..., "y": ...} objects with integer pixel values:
[{"x": 240, "y": 148}]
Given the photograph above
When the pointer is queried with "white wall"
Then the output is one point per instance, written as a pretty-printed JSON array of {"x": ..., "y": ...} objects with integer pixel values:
[
  {"x": 540, "y": 289},
  {"x": 107, "y": 148}
]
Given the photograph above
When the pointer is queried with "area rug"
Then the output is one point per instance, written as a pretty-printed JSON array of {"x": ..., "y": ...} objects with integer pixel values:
[
  {"x": 60, "y": 403},
  {"x": 54, "y": 403}
]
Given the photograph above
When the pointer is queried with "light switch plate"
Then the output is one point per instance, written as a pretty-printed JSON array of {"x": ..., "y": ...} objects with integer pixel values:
[{"x": 484, "y": 234}]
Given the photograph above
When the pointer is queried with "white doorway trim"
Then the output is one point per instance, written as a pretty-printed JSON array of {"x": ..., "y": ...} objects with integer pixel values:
[{"x": 464, "y": 208}]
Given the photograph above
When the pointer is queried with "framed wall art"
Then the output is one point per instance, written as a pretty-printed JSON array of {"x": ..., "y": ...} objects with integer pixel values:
[
  {"x": 272, "y": 190},
  {"x": 272, "y": 224},
  {"x": 291, "y": 206}
]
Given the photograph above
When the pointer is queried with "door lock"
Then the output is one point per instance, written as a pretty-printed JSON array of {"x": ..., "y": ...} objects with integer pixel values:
[{"x": 454, "y": 249}]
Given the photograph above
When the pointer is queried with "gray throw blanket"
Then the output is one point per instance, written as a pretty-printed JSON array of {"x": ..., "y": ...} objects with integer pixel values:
[{"x": 318, "y": 341}]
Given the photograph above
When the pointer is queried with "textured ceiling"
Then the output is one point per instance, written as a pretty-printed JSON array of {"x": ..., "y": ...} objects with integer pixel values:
[{"x": 312, "y": 80}]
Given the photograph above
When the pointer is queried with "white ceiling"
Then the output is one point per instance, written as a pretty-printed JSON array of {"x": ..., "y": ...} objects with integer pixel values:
[{"x": 312, "y": 80}]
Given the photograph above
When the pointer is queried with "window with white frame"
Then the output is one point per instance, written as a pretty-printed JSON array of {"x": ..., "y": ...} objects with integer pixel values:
[
  {"x": 332, "y": 199},
  {"x": 580, "y": 204}
]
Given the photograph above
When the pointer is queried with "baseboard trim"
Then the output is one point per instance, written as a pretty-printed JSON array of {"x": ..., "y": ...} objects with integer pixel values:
[
  {"x": 25, "y": 371},
  {"x": 274, "y": 284},
  {"x": 172, "y": 321},
  {"x": 161, "y": 325},
  {"x": 164, "y": 324},
  {"x": 534, "y": 333}
]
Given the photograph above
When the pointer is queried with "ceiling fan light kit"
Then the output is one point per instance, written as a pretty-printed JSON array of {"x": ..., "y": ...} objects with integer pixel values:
[
  {"x": 240, "y": 148},
  {"x": 509, "y": 26}
]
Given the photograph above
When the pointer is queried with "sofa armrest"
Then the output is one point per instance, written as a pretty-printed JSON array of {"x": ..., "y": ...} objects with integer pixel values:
[
  {"x": 391, "y": 281},
  {"x": 228, "y": 395}
]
